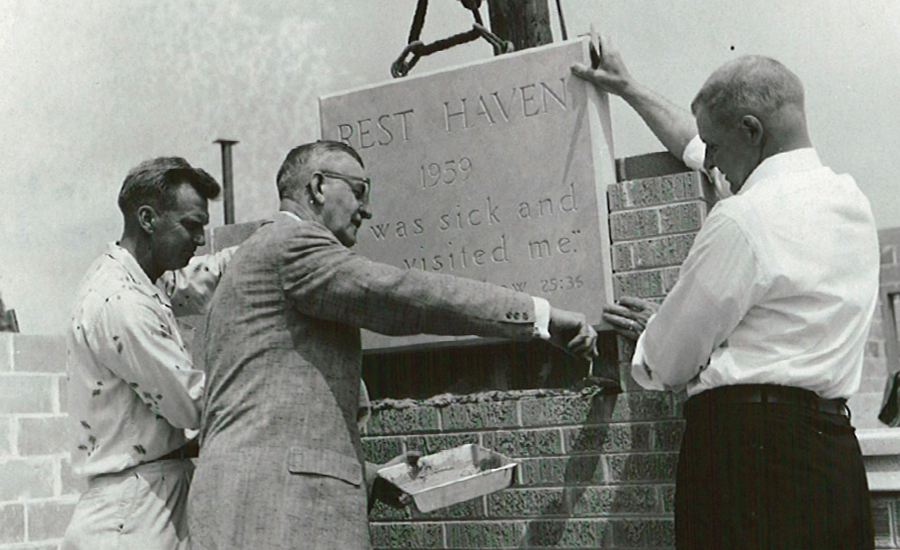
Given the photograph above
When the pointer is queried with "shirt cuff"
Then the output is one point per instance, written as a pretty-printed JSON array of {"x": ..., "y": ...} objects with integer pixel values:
[
  {"x": 639, "y": 369},
  {"x": 694, "y": 153},
  {"x": 541, "y": 318}
]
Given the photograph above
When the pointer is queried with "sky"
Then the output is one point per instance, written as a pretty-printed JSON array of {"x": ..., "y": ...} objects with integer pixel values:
[{"x": 90, "y": 89}]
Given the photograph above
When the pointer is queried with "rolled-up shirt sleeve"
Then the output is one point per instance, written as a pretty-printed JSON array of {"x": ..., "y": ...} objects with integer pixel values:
[{"x": 140, "y": 347}]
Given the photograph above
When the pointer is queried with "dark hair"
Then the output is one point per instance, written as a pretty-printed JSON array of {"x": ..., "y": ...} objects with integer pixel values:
[
  {"x": 297, "y": 162},
  {"x": 749, "y": 84},
  {"x": 153, "y": 182}
]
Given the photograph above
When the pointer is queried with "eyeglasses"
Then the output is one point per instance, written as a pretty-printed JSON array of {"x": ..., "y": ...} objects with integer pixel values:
[{"x": 361, "y": 187}]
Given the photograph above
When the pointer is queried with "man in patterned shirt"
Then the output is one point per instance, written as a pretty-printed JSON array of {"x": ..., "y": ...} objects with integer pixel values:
[{"x": 133, "y": 389}]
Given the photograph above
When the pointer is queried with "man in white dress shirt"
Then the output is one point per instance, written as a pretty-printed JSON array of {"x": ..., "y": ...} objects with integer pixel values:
[
  {"x": 766, "y": 327},
  {"x": 132, "y": 387}
]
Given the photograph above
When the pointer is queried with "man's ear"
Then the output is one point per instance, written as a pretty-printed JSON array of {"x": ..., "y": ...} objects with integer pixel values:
[
  {"x": 317, "y": 195},
  {"x": 146, "y": 218},
  {"x": 753, "y": 129}
]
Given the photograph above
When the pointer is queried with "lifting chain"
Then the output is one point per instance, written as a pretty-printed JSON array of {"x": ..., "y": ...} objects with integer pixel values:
[{"x": 418, "y": 49}]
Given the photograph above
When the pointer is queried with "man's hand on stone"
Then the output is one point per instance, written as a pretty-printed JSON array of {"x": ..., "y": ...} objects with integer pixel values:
[
  {"x": 610, "y": 75},
  {"x": 570, "y": 331},
  {"x": 629, "y": 315}
]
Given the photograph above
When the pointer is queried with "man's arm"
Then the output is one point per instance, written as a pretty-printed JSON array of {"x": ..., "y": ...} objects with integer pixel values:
[
  {"x": 138, "y": 345},
  {"x": 327, "y": 280},
  {"x": 673, "y": 126},
  {"x": 719, "y": 282},
  {"x": 189, "y": 289}
]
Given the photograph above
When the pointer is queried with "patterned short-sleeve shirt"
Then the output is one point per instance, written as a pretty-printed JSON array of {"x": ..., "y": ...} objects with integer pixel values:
[{"x": 133, "y": 389}]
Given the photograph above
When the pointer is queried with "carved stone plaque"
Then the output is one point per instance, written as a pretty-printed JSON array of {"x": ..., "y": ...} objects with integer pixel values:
[{"x": 495, "y": 171}]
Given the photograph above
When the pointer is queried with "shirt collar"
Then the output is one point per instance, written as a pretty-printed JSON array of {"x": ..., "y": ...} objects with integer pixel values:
[
  {"x": 134, "y": 270},
  {"x": 798, "y": 160},
  {"x": 292, "y": 215}
]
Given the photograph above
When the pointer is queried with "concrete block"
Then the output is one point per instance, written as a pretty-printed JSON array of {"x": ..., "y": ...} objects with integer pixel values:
[
  {"x": 572, "y": 470},
  {"x": 649, "y": 165},
  {"x": 521, "y": 443},
  {"x": 381, "y": 449},
  {"x": 615, "y": 197},
  {"x": 606, "y": 501},
  {"x": 6, "y": 351},
  {"x": 39, "y": 353},
  {"x": 591, "y": 533},
  {"x": 667, "y": 435},
  {"x": 633, "y": 468},
  {"x": 430, "y": 444},
  {"x": 643, "y": 405},
  {"x": 403, "y": 421},
  {"x": 407, "y": 535},
  {"x": 661, "y": 252},
  {"x": 664, "y": 190},
  {"x": 479, "y": 415},
  {"x": 470, "y": 509},
  {"x": 630, "y": 533},
  {"x": 881, "y": 519},
  {"x": 613, "y": 438},
  {"x": 12, "y": 523},
  {"x": 527, "y": 503},
  {"x": 634, "y": 224},
  {"x": 48, "y": 520},
  {"x": 642, "y": 284},
  {"x": 667, "y": 496},
  {"x": 7, "y": 440},
  {"x": 43, "y": 436},
  {"x": 383, "y": 512},
  {"x": 26, "y": 393},
  {"x": 22, "y": 479},
  {"x": 682, "y": 217},
  {"x": 494, "y": 534},
  {"x": 622, "y": 257},
  {"x": 566, "y": 410}
]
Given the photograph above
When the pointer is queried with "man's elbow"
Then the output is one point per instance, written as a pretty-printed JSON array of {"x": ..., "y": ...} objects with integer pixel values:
[{"x": 675, "y": 377}]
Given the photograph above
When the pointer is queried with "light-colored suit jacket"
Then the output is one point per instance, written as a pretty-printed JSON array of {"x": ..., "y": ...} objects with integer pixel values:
[{"x": 281, "y": 464}]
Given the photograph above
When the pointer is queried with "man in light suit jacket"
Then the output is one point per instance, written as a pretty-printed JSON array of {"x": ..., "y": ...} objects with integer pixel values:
[{"x": 281, "y": 464}]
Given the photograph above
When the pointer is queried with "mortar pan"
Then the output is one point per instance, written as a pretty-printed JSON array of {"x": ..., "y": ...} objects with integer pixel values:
[{"x": 452, "y": 476}]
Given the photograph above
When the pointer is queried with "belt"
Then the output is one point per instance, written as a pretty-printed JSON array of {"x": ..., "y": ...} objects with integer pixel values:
[{"x": 769, "y": 394}]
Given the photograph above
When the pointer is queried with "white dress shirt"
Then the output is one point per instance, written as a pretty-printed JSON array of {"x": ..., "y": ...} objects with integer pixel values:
[
  {"x": 779, "y": 287},
  {"x": 132, "y": 386}
]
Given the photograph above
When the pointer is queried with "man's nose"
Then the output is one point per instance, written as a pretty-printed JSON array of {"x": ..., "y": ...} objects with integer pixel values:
[
  {"x": 200, "y": 238},
  {"x": 364, "y": 212}
]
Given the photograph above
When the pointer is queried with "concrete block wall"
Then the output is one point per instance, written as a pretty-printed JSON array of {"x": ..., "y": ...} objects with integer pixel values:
[
  {"x": 653, "y": 222},
  {"x": 595, "y": 470},
  {"x": 37, "y": 489}
]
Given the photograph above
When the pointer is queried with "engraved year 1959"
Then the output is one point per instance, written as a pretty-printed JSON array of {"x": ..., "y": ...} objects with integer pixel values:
[{"x": 448, "y": 173}]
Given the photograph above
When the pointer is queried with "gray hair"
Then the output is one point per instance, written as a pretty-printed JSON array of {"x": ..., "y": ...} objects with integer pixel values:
[
  {"x": 295, "y": 170},
  {"x": 750, "y": 84}
]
